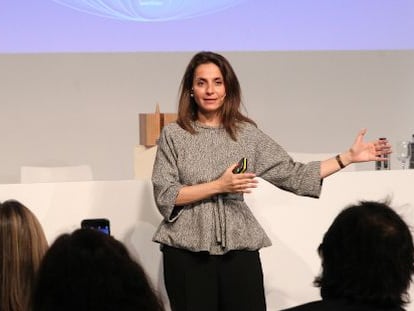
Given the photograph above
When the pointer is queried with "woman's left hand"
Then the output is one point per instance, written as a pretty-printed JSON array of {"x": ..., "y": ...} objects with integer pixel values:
[{"x": 362, "y": 151}]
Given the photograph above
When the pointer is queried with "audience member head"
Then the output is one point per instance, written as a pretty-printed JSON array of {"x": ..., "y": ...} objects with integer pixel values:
[
  {"x": 22, "y": 247},
  {"x": 88, "y": 270},
  {"x": 367, "y": 256}
]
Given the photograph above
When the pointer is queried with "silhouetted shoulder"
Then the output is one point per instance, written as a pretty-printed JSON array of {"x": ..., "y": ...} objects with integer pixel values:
[{"x": 338, "y": 305}]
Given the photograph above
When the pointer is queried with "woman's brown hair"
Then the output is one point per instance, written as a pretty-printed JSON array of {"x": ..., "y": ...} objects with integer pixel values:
[
  {"x": 231, "y": 115},
  {"x": 22, "y": 247}
]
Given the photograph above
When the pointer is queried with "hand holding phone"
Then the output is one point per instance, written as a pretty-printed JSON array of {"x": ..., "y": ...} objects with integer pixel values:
[{"x": 241, "y": 166}]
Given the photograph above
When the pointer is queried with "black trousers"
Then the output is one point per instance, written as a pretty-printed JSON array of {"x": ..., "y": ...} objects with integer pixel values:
[{"x": 203, "y": 282}]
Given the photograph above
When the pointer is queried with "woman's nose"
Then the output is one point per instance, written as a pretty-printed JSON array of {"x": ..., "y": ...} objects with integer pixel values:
[{"x": 210, "y": 89}]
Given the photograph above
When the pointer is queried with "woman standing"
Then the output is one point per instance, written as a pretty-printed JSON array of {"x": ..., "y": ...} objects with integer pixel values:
[{"x": 210, "y": 238}]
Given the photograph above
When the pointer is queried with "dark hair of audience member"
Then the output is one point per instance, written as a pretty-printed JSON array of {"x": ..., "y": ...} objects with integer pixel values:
[
  {"x": 367, "y": 256},
  {"x": 22, "y": 247},
  {"x": 88, "y": 270}
]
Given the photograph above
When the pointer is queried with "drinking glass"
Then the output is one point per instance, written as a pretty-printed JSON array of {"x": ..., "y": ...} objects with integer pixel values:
[{"x": 403, "y": 152}]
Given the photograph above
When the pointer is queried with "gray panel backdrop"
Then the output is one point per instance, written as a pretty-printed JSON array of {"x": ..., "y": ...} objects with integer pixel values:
[{"x": 70, "y": 109}]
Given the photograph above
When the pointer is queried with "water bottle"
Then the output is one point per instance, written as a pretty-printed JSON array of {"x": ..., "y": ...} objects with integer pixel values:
[
  {"x": 411, "y": 164},
  {"x": 385, "y": 164}
]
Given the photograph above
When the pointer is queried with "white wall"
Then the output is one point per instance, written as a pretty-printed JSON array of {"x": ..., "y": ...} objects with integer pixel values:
[{"x": 69, "y": 109}]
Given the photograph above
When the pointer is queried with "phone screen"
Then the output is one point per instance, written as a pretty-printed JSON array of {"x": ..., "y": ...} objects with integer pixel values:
[{"x": 100, "y": 224}]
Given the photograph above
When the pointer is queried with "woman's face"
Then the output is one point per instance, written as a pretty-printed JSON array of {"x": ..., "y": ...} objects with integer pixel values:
[{"x": 208, "y": 89}]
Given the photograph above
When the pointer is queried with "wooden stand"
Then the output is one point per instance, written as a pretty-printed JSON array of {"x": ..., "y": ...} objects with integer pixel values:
[
  {"x": 144, "y": 158},
  {"x": 151, "y": 124}
]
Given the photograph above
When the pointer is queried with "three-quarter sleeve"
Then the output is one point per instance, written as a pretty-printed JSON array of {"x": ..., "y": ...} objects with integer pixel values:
[
  {"x": 275, "y": 165},
  {"x": 165, "y": 178}
]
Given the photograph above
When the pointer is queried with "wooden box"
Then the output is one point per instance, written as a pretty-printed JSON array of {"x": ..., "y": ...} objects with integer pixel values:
[{"x": 151, "y": 124}]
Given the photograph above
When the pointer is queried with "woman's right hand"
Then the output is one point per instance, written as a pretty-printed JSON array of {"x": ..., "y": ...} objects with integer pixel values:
[
  {"x": 228, "y": 182},
  {"x": 233, "y": 183}
]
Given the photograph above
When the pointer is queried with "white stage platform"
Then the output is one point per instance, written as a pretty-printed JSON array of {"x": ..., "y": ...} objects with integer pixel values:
[{"x": 294, "y": 224}]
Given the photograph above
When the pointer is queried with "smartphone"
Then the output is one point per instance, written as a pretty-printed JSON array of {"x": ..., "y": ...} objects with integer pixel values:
[
  {"x": 100, "y": 224},
  {"x": 241, "y": 166}
]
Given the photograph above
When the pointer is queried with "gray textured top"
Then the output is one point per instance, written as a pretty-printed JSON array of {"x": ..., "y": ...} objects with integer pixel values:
[{"x": 223, "y": 222}]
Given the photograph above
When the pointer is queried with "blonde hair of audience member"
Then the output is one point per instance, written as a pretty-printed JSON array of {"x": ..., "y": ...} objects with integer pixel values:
[{"x": 22, "y": 246}]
